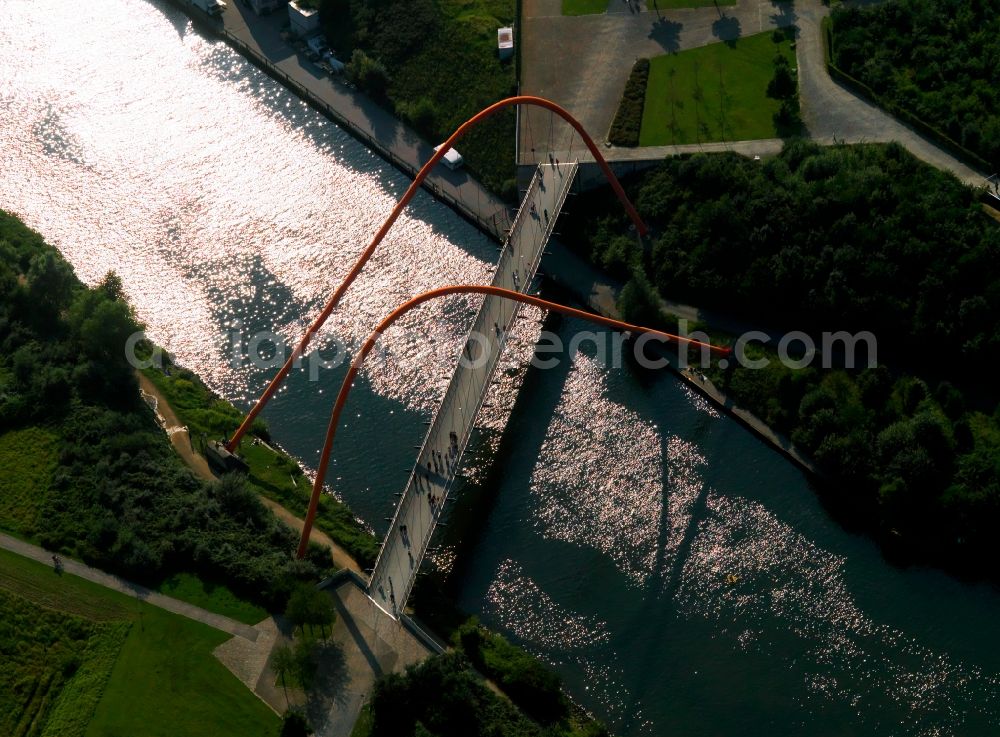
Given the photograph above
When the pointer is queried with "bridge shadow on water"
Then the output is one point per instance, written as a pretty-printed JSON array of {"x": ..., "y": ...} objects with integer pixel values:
[
  {"x": 513, "y": 455},
  {"x": 526, "y": 428}
]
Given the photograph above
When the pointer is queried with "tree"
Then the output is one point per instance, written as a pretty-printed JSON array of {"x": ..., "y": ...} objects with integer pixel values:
[
  {"x": 367, "y": 73},
  {"x": 283, "y": 665},
  {"x": 294, "y": 724},
  {"x": 51, "y": 283},
  {"x": 322, "y": 611},
  {"x": 297, "y": 610},
  {"x": 112, "y": 287},
  {"x": 305, "y": 663},
  {"x": 786, "y": 119},
  {"x": 308, "y": 607},
  {"x": 639, "y": 303},
  {"x": 782, "y": 84}
]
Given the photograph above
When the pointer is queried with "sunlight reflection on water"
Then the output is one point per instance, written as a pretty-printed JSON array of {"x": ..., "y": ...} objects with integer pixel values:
[{"x": 134, "y": 144}]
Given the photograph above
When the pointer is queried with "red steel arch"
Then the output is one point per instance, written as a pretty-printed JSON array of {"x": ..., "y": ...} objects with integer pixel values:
[
  {"x": 394, "y": 215},
  {"x": 369, "y": 344}
]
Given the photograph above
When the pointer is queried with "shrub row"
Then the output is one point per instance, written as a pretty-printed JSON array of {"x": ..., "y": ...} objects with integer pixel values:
[{"x": 628, "y": 120}]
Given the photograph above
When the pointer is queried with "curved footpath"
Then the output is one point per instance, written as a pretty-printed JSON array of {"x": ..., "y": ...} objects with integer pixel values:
[
  {"x": 833, "y": 113},
  {"x": 179, "y": 438},
  {"x": 95, "y": 575}
]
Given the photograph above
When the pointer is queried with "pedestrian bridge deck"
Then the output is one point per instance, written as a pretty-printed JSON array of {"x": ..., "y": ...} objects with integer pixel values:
[{"x": 440, "y": 455}]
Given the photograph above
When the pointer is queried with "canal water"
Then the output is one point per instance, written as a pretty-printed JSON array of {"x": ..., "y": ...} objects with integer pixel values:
[{"x": 682, "y": 577}]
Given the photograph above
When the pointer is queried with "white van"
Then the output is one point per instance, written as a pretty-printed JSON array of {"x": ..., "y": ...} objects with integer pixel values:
[
  {"x": 212, "y": 7},
  {"x": 452, "y": 158}
]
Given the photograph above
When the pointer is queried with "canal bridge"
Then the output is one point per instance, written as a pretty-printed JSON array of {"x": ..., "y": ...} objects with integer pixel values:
[{"x": 438, "y": 461}]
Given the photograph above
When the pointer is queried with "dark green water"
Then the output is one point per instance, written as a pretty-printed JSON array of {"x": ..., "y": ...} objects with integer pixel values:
[{"x": 686, "y": 580}]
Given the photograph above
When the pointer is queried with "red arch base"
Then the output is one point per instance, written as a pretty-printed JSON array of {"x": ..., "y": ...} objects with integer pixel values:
[
  {"x": 369, "y": 344},
  {"x": 334, "y": 300}
]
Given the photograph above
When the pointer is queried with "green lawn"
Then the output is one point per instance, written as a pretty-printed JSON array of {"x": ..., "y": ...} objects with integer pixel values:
[
  {"x": 167, "y": 682},
  {"x": 27, "y": 458},
  {"x": 164, "y": 681},
  {"x": 583, "y": 7},
  {"x": 590, "y": 7},
  {"x": 713, "y": 93},
  {"x": 213, "y": 597}
]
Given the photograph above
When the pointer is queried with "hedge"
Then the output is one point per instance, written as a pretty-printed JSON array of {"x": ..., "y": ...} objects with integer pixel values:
[{"x": 628, "y": 119}]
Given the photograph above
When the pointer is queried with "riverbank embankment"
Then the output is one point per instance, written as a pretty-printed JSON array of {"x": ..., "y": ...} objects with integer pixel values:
[{"x": 259, "y": 39}]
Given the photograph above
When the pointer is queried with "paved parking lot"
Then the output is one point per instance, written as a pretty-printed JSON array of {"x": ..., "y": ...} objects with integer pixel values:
[{"x": 582, "y": 62}]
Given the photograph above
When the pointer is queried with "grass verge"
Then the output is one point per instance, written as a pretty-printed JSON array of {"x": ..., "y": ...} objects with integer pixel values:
[
  {"x": 584, "y": 7},
  {"x": 674, "y": 4},
  {"x": 28, "y": 458},
  {"x": 210, "y": 596}
]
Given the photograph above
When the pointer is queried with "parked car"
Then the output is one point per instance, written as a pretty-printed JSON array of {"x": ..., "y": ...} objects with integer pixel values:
[
  {"x": 212, "y": 7},
  {"x": 316, "y": 47},
  {"x": 452, "y": 158}
]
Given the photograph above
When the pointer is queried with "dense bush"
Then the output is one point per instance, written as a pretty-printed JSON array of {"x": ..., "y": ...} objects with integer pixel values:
[
  {"x": 532, "y": 686},
  {"x": 438, "y": 66},
  {"x": 368, "y": 74},
  {"x": 938, "y": 59},
  {"x": 628, "y": 119},
  {"x": 119, "y": 496},
  {"x": 843, "y": 238},
  {"x": 443, "y": 697}
]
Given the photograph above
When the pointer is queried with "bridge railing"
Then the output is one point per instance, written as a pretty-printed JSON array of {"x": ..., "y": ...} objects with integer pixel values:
[{"x": 469, "y": 385}]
